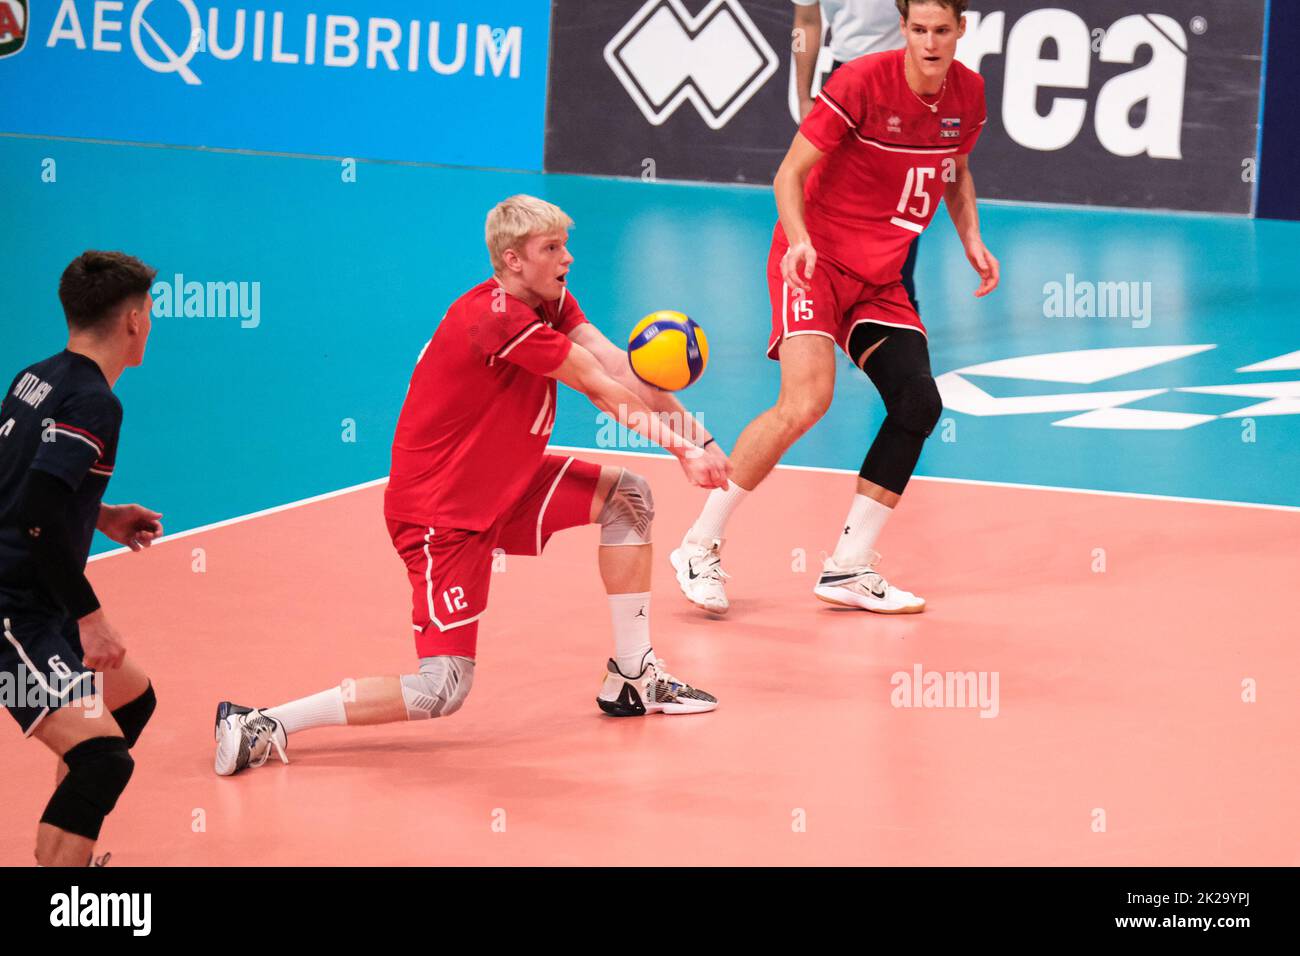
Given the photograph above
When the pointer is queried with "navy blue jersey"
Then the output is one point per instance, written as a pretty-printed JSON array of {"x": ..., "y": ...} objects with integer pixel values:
[{"x": 59, "y": 416}]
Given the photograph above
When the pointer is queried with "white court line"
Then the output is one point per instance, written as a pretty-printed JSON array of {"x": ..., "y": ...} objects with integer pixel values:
[
  {"x": 973, "y": 481},
  {"x": 664, "y": 456},
  {"x": 248, "y": 517}
]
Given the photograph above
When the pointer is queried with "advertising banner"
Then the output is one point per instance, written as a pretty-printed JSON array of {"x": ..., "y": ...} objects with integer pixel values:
[
  {"x": 446, "y": 81},
  {"x": 1090, "y": 101}
]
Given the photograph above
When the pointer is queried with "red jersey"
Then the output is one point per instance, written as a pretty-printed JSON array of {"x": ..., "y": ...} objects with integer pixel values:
[
  {"x": 479, "y": 409},
  {"x": 887, "y": 153}
]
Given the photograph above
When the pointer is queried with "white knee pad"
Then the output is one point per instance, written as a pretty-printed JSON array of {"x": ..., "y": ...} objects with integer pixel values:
[
  {"x": 439, "y": 689},
  {"x": 628, "y": 512}
]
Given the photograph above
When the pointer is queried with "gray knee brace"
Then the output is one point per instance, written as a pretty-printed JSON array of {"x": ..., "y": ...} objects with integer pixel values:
[
  {"x": 628, "y": 512},
  {"x": 439, "y": 689}
]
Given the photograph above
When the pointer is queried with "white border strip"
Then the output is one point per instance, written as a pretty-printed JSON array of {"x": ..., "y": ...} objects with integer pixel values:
[
  {"x": 541, "y": 515},
  {"x": 664, "y": 456},
  {"x": 225, "y": 522},
  {"x": 630, "y": 178},
  {"x": 970, "y": 481}
]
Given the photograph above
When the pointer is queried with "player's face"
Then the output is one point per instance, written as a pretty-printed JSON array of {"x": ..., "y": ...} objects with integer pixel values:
[
  {"x": 932, "y": 32},
  {"x": 545, "y": 264}
]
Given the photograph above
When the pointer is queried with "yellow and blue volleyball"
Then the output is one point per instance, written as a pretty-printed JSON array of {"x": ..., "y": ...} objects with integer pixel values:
[{"x": 668, "y": 350}]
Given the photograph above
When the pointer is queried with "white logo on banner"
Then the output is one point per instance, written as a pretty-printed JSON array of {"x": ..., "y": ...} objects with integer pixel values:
[
  {"x": 174, "y": 62},
  {"x": 337, "y": 40},
  {"x": 717, "y": 60},
  {"x": 1106, "y": 409},
  {"x": 1160, "y": 83}
]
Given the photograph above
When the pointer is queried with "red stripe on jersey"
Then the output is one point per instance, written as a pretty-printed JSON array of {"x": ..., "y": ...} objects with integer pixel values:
[{"x": 81, "y": 431}]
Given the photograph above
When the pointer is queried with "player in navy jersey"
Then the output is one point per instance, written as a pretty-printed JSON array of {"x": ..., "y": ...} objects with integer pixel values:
[{"x": 59, "y": 423}]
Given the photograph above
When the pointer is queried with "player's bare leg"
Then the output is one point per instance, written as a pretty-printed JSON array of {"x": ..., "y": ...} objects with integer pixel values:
[
  {"x": 102, "y": 769},
  {"x": 246, "y": 736},
  {"x": 636, "y": 681},
  {"x": 807, "y": 386}
]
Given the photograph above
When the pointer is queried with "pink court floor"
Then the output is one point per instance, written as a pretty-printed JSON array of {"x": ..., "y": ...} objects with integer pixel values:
[{"x": 1142, "y": 653}]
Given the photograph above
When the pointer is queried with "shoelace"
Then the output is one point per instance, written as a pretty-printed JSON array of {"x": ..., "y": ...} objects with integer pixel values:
[
  {"x": 662, "y": 675},
  {"x": 872, "y": 581},
  {"x": 263, "y": 731},
  {"x": 712, "y": 564},
  {"x": 865, "y": 574}
]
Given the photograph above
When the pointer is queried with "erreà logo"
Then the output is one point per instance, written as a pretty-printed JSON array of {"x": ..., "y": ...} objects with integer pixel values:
[
  {"x": 717, "y": 60},
  {"x": 13, "y": 26},
  {"x": 1049, "y": 64}
]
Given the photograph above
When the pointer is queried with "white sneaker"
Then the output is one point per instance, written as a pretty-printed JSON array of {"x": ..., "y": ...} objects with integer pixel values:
[
  {"x": 245, "y": 737},
  {"x": 652, "y": 691},
  {"x": 863, "y": 587},
  {"x": 700, "y": 575}
]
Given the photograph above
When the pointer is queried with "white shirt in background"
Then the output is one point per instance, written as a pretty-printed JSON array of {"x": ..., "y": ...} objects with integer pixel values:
[{"x": 859, "y": 27}]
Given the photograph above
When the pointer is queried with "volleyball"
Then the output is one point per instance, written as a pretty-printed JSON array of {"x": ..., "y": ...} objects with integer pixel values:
[{"x": 668, "y": 350}]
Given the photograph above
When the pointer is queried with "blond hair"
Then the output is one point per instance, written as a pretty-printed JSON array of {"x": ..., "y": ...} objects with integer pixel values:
[{"x": 513, "y": 220}]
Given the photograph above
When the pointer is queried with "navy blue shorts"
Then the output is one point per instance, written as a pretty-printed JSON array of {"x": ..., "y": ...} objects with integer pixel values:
[{"x": 40, "y": 664}]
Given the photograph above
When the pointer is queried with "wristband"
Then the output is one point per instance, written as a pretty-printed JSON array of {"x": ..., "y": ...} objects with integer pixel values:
[{"x": 707, "y": 444}]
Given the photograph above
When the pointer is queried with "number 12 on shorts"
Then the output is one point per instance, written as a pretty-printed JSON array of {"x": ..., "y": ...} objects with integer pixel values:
[{"x": 454, "y": 598}]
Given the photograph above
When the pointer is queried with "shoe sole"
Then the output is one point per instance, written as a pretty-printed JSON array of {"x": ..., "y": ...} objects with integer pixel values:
[
  {"x": 821, "y": 596},
  {"x": 673, "y": 560},
  {"x": 616, "y": 709},
  {"x": 230, "y": 758}
]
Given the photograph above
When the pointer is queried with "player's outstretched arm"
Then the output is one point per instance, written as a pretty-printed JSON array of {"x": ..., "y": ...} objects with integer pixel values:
[
  {"x": 582, "y": 372},
  {"x": 615, "y": 362},
  {"x": 798, "y": 262},
  {"x": 959, "y": 196}
]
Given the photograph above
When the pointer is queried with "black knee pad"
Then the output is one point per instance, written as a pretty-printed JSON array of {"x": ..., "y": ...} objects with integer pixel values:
[
  {"x": 98, "y": 771},
  {"x": 133, "y": 716},
  {"x": 916, "y": 406}
]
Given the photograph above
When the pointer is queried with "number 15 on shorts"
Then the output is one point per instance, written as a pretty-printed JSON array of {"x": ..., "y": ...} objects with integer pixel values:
[{"x": 801, "y": 306}]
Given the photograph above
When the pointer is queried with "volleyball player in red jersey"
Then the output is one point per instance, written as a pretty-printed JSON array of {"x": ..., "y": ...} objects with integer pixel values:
[
  {"x": 471, "y": 477},
  {"x": 889, "y": 136}
]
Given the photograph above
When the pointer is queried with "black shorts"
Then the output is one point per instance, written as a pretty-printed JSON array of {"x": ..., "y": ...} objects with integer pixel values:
[{"x": 40, "y": 664}]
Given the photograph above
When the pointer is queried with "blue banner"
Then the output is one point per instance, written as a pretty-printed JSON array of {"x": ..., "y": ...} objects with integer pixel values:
[{"x": 447, "y": 81}]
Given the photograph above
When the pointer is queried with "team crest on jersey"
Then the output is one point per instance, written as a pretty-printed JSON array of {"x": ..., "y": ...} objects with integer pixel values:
[
  {"x": 950, "y": 128},
  {"x": 13, "y": 26}
]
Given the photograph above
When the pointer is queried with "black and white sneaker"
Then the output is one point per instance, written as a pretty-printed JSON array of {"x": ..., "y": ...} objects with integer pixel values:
[
  {"x": 864, "y": 587},
  {"x": 653, "y": 691},
  {"x": 245, "y": 737}
]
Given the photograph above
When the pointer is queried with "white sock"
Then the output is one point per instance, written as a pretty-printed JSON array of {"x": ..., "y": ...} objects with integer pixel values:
[
  {"x": 712, "y": 522},
  {"x": 862, "y": 527},
  {"x": 319, "y": 710},
  {"x": 630, "y": 615}
]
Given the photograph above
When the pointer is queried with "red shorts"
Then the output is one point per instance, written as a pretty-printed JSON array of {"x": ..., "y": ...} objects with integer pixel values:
[
  {"x": 450, "y": 569},
  {"x": 833, "y": 305}
]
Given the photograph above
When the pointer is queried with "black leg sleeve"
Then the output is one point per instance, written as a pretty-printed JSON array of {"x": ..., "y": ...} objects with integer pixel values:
[
  {"x": 900, "y": 370},
  {"x": 132, "y": 716}
]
